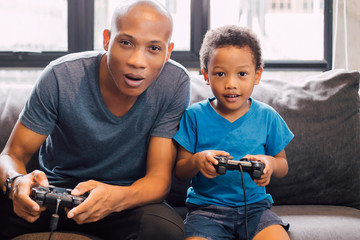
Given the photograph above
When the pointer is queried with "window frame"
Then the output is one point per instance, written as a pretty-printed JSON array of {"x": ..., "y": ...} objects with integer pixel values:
[{"x": 81, "y": 31}]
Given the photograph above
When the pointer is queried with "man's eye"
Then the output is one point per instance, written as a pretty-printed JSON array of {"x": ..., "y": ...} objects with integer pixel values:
[
  {"x": 242, "y": 74},
  {"x": 155, "y": 48},
  {"x": 124, "y": 42}
]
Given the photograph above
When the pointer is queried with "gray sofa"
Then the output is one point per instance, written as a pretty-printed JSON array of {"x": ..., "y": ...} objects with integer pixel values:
[{"x": 320, "y": 196}]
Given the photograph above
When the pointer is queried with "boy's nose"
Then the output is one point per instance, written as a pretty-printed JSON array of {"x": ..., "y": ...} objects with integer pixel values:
[{"x": 230, "y": 82}]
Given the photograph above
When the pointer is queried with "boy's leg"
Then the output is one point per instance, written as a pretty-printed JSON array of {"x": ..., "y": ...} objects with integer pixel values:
[
  {"x": 264, "y": 222},
  {"x": 273, "y": 232}
]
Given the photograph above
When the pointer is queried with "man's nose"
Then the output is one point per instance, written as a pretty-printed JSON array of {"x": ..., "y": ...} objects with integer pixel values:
[{"x": 137, "y": 58}]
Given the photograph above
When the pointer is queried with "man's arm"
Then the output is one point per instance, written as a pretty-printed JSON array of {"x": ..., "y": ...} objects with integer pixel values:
[
  {"x": 152, "y": 188},
  {"x": 22, "y": 144},
  {"x": 157, "y": 181}
]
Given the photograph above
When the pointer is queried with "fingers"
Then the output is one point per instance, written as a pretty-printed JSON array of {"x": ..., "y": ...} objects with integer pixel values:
[
  {"x": 207, "y": 162},
  {"x": 40, "y": 178},
  {"x": 23, "y": 205},
  {"x": 81, "y": 213},
  {"x": 84, "y": 187},
  {"x": 263, "y": 181}
]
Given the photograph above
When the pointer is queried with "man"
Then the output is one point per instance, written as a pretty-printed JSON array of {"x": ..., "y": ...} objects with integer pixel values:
[{"x": 104, "y": 122}]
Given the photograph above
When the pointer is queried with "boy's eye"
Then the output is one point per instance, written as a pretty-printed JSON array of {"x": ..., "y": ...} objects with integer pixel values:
[
  {"x": 242, "y": 74},
  {"x": 220, "y": 74}
]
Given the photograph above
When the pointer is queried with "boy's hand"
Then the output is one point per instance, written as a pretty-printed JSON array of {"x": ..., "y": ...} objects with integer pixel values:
[
  {"x": 268, "y": 168},
  {"x": 205, "y": 162}
]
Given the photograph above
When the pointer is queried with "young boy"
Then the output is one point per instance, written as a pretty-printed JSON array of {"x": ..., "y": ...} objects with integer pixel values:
[{"x": 231, "y": 123}]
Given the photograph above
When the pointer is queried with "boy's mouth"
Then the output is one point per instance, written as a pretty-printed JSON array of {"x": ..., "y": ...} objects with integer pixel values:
[{"x": 232, "y": 97}]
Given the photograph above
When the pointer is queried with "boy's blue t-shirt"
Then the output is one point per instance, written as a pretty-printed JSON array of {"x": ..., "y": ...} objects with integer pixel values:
[{"x": 260, "y": 131}]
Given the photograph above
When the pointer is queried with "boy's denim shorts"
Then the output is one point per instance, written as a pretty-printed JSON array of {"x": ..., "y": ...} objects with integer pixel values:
[{"x": 216, "y": 222}]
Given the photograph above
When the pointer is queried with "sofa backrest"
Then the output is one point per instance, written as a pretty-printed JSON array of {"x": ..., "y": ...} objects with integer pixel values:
[{"x": 323, "y": 113}]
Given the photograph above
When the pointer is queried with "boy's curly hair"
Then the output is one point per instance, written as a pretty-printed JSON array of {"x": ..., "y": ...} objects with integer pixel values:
[{"x": 230, "y": 35}]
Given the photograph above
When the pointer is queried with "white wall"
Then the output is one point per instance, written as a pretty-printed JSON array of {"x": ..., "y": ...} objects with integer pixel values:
[{"x": 353, "y": 35}]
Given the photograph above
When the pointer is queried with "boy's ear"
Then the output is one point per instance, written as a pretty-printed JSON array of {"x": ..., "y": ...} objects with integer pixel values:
[
  {"x": 106, "y": 39},
  {"x": 258, "y": 74},
  {"x": 206, "y": 76}
]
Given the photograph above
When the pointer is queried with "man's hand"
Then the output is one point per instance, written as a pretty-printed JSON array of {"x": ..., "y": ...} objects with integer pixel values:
[
  {"x": 23, "y": 205},
  {"x": 100, "y": 202}
]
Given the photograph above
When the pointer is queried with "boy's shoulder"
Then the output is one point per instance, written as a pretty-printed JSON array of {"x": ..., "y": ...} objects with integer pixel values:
[
  {"x": 262, "y": 106},
  {"x": 198, "y": 105}
]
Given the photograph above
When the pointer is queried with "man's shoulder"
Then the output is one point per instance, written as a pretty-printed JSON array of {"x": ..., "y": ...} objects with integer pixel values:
[
  {"x": 174, "y": 67},
  {"x": 81, "y": 57}
]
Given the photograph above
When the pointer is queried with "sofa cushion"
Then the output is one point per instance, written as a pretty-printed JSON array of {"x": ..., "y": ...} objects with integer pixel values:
[
  {"x": 324, "y": 156},
  {"x": 320, "y": 222},
  {"x": 12, "y": 100}
]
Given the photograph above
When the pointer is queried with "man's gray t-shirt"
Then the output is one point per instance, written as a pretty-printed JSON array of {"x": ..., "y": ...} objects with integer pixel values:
[{"x": 86, "y": 141}]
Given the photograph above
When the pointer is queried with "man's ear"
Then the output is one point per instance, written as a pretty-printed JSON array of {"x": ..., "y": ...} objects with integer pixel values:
[
  {"x": 169, "y": 51},
  {"x": 206, "y": 76},
  {"x": 106, "y": 39},
  {"x": 258, "y": 74}
]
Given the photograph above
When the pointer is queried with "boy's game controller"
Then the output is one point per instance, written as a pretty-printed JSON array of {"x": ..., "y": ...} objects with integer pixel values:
[
  {"x": 50, "y": 196},
  {"x": 254, "y": 168}
]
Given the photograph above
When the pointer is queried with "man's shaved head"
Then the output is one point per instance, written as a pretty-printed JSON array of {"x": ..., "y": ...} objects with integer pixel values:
[{"x": 127, "y": 6}]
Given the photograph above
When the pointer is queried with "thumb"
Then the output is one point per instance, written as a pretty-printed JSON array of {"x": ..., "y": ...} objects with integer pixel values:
[
  {"x": 40, "y": 178},
  {"x": 83, "y": 187}
]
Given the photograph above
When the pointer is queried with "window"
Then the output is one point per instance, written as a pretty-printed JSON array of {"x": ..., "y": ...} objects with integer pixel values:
[
  {"x": 295, "y": 34},
  {"x": 31, "y": 26},
  {"x": 180, "y": 11},
  {"x": 287, "y": 32}
]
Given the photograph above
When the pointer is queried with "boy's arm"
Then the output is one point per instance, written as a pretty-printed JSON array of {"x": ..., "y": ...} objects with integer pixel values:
[
  {"x": 189, "y": 164},
  {"x": 276, "y": 166}
]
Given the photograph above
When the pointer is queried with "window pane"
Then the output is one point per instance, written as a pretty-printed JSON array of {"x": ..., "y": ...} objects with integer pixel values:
[
  {"x": 36, "y": 25},
  {"x": 288, "y": 29},
  {"x": 179, "y": 9}
]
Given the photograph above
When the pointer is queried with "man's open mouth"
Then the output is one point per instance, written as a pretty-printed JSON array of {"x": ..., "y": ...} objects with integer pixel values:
[{"x": 133, "y": 80}]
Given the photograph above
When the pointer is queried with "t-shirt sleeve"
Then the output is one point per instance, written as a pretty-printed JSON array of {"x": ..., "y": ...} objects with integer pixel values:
[
  {"x": 279, "y": 136},
  {"x": 168, "y": 123},
  {"x": 186, "y": 135},
  {"x": 40, "y": 111}
]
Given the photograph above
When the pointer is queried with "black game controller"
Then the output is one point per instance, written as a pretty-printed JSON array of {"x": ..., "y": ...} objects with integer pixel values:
[
  {"x": 51, "y": 195},
  {"x": 254, "y": 168}
]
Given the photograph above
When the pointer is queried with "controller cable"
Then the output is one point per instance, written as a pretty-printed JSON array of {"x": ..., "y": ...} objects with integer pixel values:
[
  {"x": 54, "y": 218},
  {"x": 245, "y": 203}
]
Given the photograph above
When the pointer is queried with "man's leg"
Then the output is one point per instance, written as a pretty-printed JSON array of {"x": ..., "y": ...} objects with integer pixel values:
[
  {"x": 12, "y": 225},
  {"x": 154, "y": 221}
]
